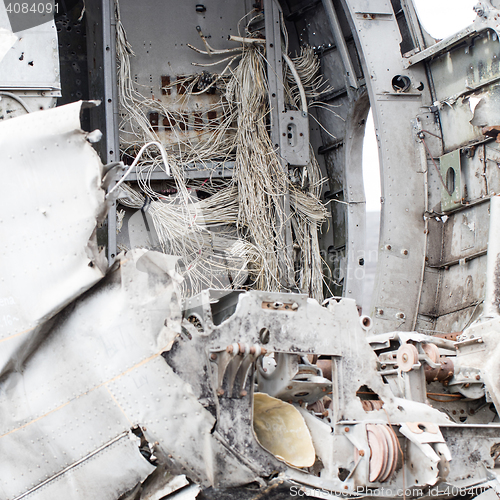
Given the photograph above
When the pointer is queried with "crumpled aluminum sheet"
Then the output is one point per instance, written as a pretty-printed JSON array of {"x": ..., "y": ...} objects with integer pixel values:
[
  {"x": 98, "y": 373},
  {"x": 59, "y": 410},
  {"x": 52, "y": 202},
  {"x": 81, "y": 345}
]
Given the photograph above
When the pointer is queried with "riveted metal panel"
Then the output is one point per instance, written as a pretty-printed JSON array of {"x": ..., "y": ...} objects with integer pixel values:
[
  {"x": 372, "y": 7},
  {"x": 403, "y": 180},
  {"x": 462, "y": 286},
  {"x": 465, "y": 234},
  {"x": 163, "y": 57},
  {"x": 106, "y": 475},
  {"x": 451, "y": 193},
  {"x": 56, "y": 217},
  {"x": 467, "y": 67},
  {"x": 28, "y": 64}
]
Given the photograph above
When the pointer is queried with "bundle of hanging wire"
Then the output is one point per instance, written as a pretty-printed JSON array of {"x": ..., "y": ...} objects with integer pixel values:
[{"x": 235, "y": 236}]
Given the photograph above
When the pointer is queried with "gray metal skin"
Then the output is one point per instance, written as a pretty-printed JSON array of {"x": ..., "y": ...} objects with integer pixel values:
[
  {"x": 419, "y": 284},
  {"x": 116, "y": 324},
  {"x": 375, "y": 30},
  {"x": 162, "y": 55},
  {"x": 29, "y": 67},
  {"x": 105, "y": 370},
  {"x": 417, "y": 253},
  {"x": 293, "y": 325},
  {"x": 105, "y": 390},
  {"x": 101, "y": 49}
]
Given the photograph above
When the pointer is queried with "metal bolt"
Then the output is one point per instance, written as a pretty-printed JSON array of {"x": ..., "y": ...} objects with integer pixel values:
[
  {"x": 220, "y": 392},
  {"x": 346, "y": 429},
  {"x": 243, "y": 393},
  {"x": 346, "y": 487},
  {"x": 478, "y": 377},
  {"x": 213, "y": 356},
  {"x": 381, "y": 312},
  {"x": 389, "y": 247},
  {"x": 229, "y": 349},
  {"x": 289, "y": 387},
  {"x": 361, "y": 453}
]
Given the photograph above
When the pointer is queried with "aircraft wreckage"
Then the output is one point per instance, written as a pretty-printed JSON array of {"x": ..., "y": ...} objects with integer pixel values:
[{"x": 182, "y": 236}]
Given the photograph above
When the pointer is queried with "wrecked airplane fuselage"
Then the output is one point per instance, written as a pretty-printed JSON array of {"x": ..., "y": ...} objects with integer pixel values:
[{"x": 202, "y": 360}]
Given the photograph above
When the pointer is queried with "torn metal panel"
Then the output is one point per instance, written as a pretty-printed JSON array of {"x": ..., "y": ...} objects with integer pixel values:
[
  {"x": 105, "y": 474},
  {"x": 466, "y": 68},
  {"x": 62, "y": 394},
  {"x": 163, "y": 402},
  {"x": 112, "y": 378},
  {"x": 53, "y": 205},
  {"x": 456, "y": 124}
]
